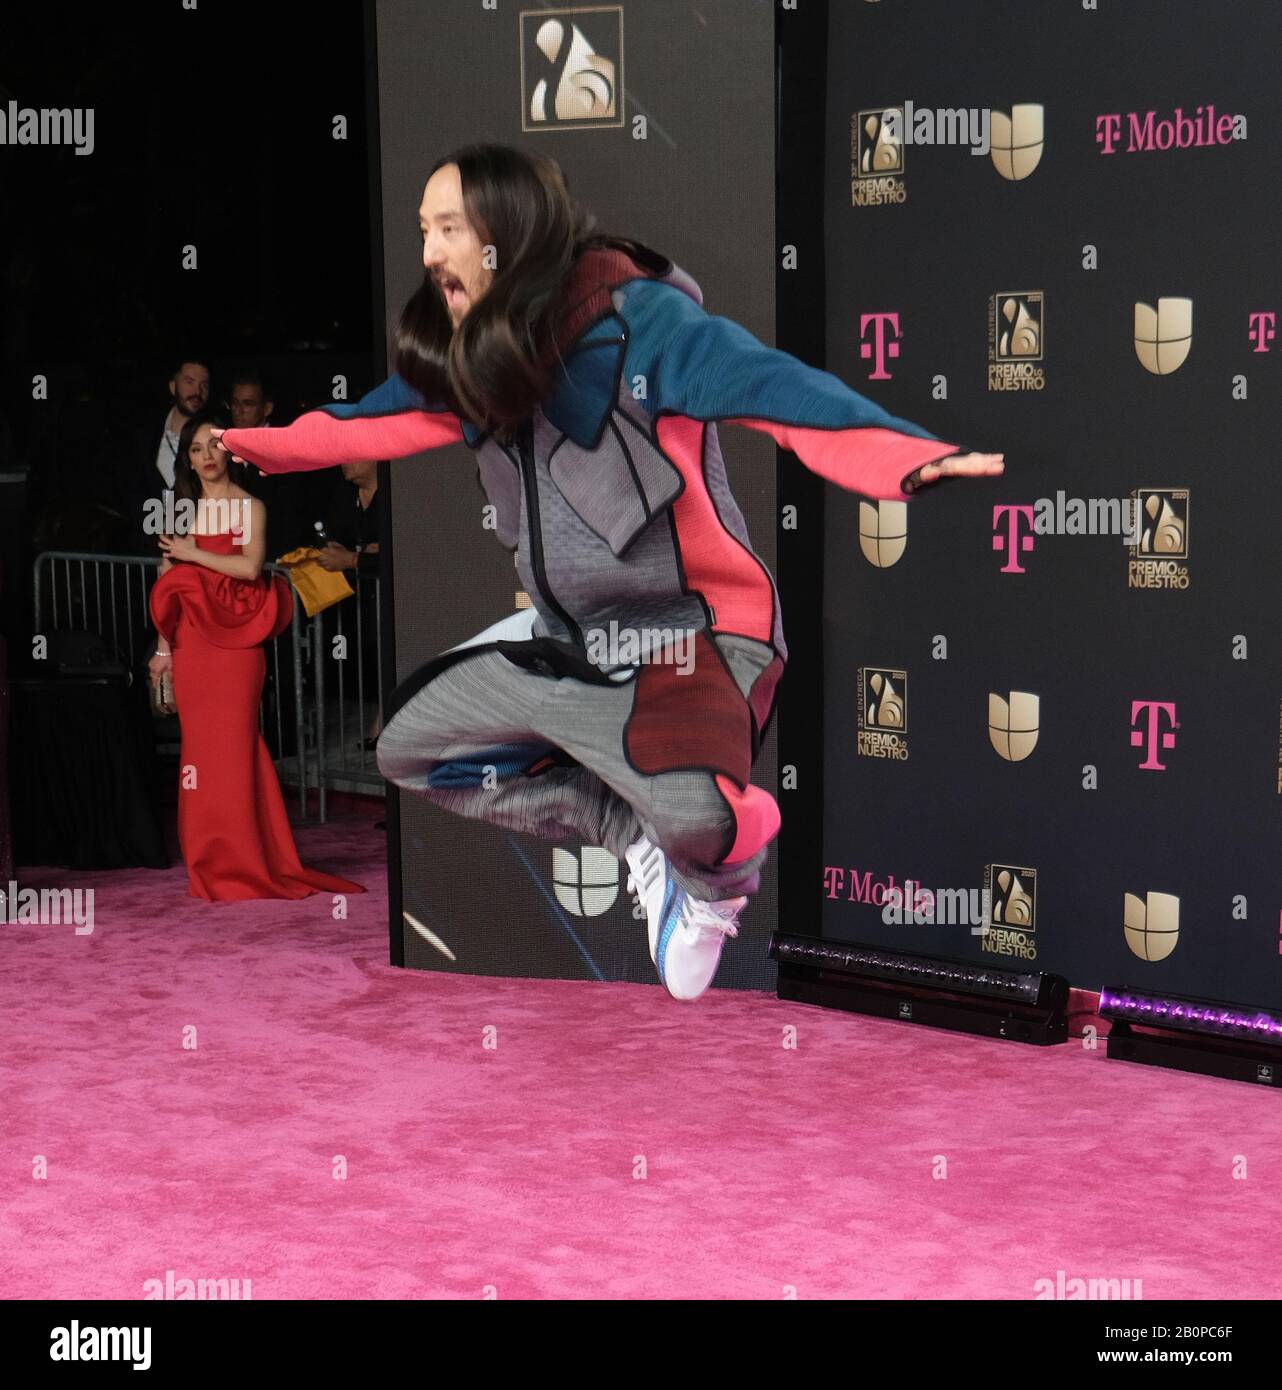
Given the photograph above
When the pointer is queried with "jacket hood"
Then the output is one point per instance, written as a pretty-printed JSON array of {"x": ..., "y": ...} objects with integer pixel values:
[
  {"x": 599, "y": 271},
  {"x": 591, "y": 338}
]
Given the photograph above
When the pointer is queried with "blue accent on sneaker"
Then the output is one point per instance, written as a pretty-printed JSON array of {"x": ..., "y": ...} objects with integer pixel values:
[{"x": 674, "y": 898}]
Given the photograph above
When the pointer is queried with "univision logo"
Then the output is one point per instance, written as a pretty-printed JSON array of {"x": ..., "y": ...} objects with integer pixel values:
[
  {"x": 585, "y": 883},
  {"x": 572, "y": 68},
  {"x": 1013, "y": 724},
  {"x": 1017, "y": 140},
  {"x": 1151, "y": 926},
  {"x": 883, "y": 532},
  {"x": 1163, "y": 335}
]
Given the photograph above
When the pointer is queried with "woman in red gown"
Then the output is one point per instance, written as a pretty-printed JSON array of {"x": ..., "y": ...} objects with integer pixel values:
[{"x": 213, "y": 609}]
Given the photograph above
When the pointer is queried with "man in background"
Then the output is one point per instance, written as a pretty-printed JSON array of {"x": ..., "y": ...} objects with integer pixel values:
[{"x": 155, "y": 454}]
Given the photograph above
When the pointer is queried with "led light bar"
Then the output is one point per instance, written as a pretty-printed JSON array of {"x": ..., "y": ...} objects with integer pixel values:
[
  {"x": 1206, "y": 1036},
  {"x": 962, "y": 995},
  {"x": 1169, "y": 1011}
]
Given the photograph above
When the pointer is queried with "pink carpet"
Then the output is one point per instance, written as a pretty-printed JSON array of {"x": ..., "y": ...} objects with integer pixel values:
[{"x": 519, "y": 1168}]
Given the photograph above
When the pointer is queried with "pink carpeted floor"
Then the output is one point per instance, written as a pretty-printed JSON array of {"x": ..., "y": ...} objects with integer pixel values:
[{"x": 614, "y": 1144}]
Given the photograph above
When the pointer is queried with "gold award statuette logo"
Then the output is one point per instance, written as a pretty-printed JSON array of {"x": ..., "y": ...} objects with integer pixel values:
[
  {"x": 1016, "y": 140},
  {"x": 1012, "y": 898},
  {"x": 1162, "y": 515},
  {"x": 1016, "y": 340},
  {"x": 1151, "y": 925},
  {"x": 877, "y": 157},
  {"x": 1013, "y": 724},
  {"x": 1163, "y": 335},
  {"x": 883, "y": 531},
  {"x": 883, "y": 713},
  {"x": 572, "y": 68}
]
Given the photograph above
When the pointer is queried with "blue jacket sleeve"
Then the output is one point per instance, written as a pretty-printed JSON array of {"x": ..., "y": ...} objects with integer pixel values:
[{"x": 709, "y": 368}]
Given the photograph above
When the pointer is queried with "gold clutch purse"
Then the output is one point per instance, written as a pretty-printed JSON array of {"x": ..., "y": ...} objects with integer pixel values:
[{"x": 162, "y": 694}]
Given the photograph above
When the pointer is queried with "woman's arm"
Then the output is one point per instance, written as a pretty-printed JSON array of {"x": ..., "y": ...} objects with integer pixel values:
[{"x": 245, "y": 563}]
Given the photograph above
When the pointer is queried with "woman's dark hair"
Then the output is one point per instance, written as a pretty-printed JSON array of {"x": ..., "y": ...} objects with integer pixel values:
[
  {"x": 497, "y": 366},
  {"x": 186, "y": 482}
]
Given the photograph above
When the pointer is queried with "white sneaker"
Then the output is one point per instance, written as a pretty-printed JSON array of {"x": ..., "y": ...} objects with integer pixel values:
[
  {"x": 686, "y": 934},
  {"x": 690, "y": 941},
  {"x": 648, "y": 879}
]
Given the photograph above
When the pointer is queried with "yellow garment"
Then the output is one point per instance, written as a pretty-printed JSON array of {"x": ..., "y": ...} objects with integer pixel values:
[{"x": 318, "y": 588}]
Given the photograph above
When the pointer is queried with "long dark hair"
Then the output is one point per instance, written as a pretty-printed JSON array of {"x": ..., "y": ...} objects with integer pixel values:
[
  {"x": 498, "y": 364},
  {"x": 186, "y": 482}
]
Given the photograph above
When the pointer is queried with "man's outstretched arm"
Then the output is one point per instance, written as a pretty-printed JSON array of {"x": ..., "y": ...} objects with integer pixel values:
[
  {"x": 710, "y": 368},
  {"x": 389, "y": 422}
]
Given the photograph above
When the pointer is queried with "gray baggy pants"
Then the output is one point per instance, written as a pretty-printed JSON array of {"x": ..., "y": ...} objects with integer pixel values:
[{"x": 482, "y": 737}]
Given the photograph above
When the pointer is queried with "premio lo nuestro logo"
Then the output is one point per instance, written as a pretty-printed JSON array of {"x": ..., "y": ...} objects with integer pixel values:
[
  {"x": 877, "y": 157},
  {"x": 1163, "y": 525},
  {"x": 1016, "y": 340},
  {"x": 1012, "y": 897},
  {"x": 572, "y": 68},
  {"x": 883, "y": 532},
  {"x": 883, "y": 713}
]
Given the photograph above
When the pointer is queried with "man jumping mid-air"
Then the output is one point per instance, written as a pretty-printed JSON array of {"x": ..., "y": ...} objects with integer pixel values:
[{"x": 585, "y": 375}]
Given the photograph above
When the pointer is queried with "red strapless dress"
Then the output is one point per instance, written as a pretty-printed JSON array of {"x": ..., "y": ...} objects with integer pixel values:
[{"x": 232, "y": 825}]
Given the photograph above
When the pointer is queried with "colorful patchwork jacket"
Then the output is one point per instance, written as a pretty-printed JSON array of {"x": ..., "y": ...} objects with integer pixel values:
[{"x": 615, "y": 498}]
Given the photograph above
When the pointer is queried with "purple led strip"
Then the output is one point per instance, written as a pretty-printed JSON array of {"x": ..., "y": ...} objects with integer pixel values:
[{"x": 1213, "y": 1017}]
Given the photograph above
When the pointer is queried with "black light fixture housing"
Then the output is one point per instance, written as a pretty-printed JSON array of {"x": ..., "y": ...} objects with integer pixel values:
[
  {"x": 1208, "y": 1036},
  {"x": 1022, "y": 1006}
]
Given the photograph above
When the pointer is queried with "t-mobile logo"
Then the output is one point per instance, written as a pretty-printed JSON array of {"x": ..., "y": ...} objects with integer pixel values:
[
  {"x": 1147, "y": 737},
  {"x": 880, "y": 348},
  {"x": 1012, "y": 542}
]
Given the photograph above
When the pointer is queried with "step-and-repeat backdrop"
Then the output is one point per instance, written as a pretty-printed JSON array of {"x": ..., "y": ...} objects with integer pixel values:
[
  {"x": 1052, "y": 700},
  {"x": 662, "y": 116}
]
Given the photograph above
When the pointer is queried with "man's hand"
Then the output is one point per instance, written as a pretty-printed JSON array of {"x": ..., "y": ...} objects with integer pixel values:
[
  {"x": 961, "y": 466},
  {"x": 217, "y": 436},
  {"x": 336, "y": 557}
]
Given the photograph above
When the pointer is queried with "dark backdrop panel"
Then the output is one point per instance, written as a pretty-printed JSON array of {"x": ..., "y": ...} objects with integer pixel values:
[
  {"x": 1198, "y": 223},
  {"x": 699, "y": 188}
]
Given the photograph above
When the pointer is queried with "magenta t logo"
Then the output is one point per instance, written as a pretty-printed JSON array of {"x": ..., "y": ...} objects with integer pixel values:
[
  {"x": 1013, "y": 514},
  {"x": 1262, "y": 329},
  {"x": 1107, "y": 129},
  {"x": 1146, "y": 738},
  {"x": 879, "y": 349}
]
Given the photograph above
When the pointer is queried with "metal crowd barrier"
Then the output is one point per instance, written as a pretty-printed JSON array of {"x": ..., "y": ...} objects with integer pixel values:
[
  {"x": 334, "y": 717},
  {"x": 107, "y": 595},
  {"x": 348, "y": 698}
]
